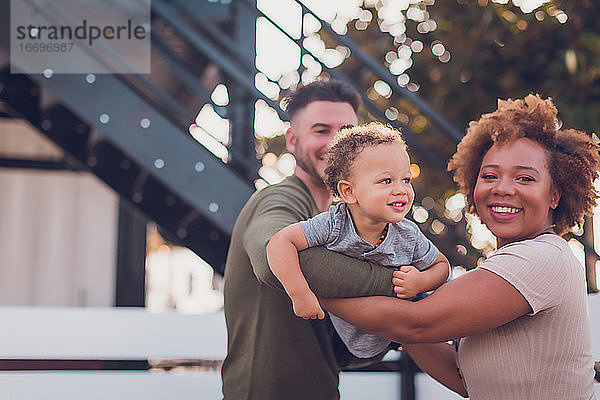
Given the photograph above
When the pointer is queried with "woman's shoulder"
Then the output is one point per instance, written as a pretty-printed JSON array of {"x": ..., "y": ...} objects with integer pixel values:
[
  {"x": 548, "y": 243},
  {"x": 532, "y": 267},
  {"x": 546, "y": 253}
]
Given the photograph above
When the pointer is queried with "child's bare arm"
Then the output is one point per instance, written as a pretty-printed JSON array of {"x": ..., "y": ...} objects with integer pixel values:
[
  {"x": 409, "y": 281},
  {"x": 282, "y": 256}
]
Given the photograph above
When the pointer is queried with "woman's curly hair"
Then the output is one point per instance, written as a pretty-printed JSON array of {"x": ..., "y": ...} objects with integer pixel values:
[
  {"x": 573, "y": 157},
  {"x": 349, "y": 142}
]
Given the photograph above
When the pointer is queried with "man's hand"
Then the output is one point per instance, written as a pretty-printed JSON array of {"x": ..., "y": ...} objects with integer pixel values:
[
  {"x": 307, "y": 306},
  {"x": 408, "y": 281}
]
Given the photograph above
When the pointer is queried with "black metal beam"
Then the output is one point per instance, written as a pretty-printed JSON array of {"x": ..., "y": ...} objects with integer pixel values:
[
  {"x": 131, "y": 258},
  {"x": 50, "y": 165},
  {"x": 409, "y": 370},
  {"x": 241, "y": 103},
  {"x": 72, "y": 365}
]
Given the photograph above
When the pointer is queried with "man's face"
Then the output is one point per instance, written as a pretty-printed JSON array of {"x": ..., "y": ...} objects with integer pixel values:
[{"x": 311, "y": 132}]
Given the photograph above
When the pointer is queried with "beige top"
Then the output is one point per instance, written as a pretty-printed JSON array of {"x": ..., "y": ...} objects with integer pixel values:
[{"x": 544, "y": 355}]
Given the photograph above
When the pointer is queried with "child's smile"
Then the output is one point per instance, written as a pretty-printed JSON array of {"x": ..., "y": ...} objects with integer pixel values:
[{"x": 379, "y": 189}]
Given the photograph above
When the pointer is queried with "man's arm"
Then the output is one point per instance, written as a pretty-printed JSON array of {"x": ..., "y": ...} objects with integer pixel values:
[
  {"x": 332, "y": 274},
  {"x": 329, "y": 274},
  {"x": 438, "y": 361}
]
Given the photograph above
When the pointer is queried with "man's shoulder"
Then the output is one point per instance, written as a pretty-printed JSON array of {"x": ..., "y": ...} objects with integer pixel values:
[
  {"x": 291, "y": 187},
  {"x": 289, "y": 194}
]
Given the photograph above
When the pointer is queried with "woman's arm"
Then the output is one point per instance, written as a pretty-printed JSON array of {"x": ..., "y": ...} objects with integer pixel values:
[
  {"x": 438, "y": 360},
  {"x": 475, "y": 302}
]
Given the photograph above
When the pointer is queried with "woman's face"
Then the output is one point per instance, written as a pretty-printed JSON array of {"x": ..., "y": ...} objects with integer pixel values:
[{"x": 513, "y": 193}]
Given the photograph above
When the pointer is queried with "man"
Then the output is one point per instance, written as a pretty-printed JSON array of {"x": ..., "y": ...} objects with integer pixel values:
[{"x": 272, "y": 354}]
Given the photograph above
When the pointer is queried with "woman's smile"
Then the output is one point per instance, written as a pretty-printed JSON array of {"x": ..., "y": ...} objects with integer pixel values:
[
  {"x": 513, "y": 193},
  {"x": 504, "y": 212}
]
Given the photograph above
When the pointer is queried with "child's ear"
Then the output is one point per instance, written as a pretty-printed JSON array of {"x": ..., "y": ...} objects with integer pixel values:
[{"x": 346, "y": 191}]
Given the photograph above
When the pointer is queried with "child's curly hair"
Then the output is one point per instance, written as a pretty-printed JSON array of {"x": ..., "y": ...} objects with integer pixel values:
[
  {"x": 573, "y": 158},
  {"x": 349, "y": 142}
]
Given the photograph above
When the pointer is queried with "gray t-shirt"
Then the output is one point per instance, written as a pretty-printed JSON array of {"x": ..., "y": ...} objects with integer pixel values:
[{"x": 404, "y": 244}]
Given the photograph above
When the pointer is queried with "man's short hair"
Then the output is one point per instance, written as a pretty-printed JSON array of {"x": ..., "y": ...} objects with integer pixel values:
[{"x": 321, "y": 90}]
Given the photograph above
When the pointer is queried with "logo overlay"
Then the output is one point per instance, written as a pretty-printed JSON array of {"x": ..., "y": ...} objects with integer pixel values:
[{"x": 80, "y": 36}]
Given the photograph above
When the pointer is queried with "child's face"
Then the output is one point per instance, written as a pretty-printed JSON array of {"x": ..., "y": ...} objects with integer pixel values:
[{"x": 381, "y": 183}]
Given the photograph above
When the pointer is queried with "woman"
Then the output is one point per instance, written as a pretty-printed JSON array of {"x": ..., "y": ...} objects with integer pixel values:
[{"x": 522, "y": 315}]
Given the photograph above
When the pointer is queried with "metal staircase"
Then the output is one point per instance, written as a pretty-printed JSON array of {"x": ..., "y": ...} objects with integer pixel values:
[{"x": 133, "y": 130}]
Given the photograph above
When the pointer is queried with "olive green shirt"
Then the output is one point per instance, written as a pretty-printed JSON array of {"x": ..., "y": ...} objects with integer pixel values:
[{"x": 271, "y": 353}]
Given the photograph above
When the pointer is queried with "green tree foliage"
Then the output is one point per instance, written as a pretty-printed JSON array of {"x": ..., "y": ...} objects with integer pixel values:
[
  {"x": 460, "y": 56},
  {"x": 490, "y": 51}
]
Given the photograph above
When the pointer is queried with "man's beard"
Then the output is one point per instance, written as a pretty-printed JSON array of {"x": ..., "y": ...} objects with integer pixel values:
[{"x": 306, "y": 164}]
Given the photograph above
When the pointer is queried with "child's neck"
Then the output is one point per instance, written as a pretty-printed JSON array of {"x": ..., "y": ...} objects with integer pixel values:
[{"x": 370, "y": 232}]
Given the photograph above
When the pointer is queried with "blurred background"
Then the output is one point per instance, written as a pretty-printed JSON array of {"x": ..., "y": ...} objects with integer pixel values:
[{"x": 122, "y": 190}]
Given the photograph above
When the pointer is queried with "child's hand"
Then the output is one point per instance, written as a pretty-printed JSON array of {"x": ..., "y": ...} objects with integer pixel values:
[
  {"x": 408, "y": 281},
  {"x": 307, "y": 306}
]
